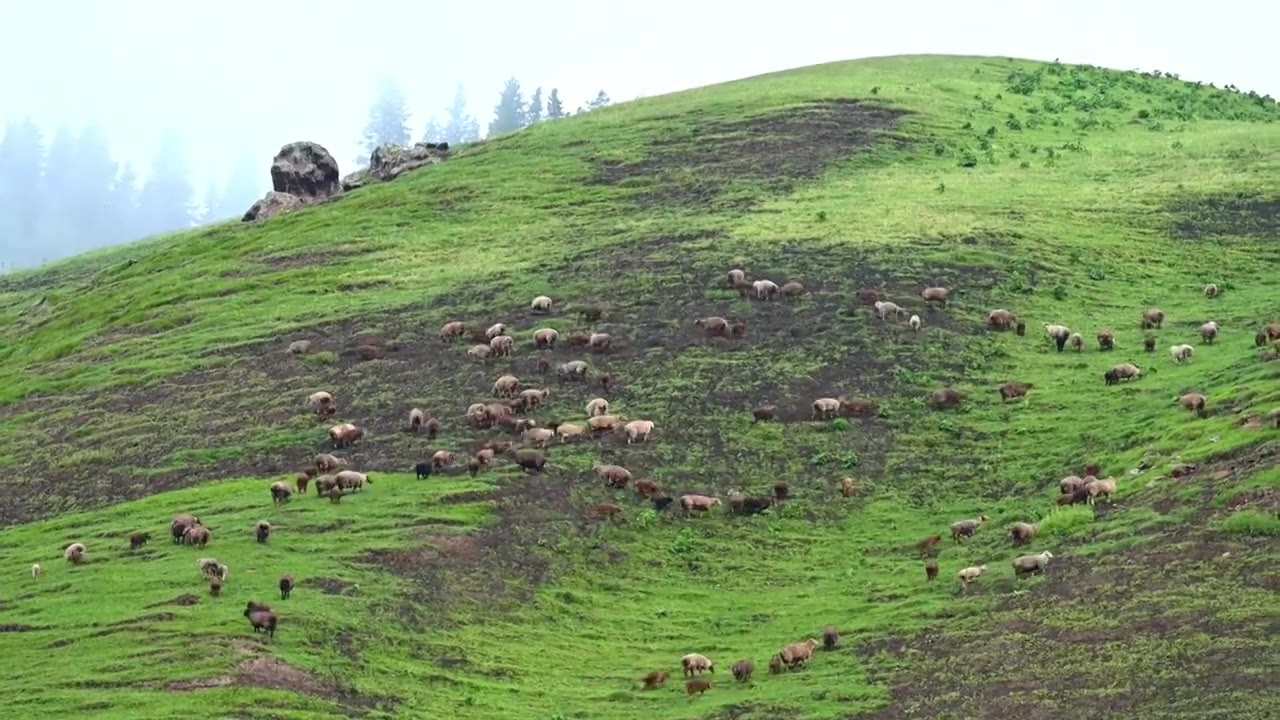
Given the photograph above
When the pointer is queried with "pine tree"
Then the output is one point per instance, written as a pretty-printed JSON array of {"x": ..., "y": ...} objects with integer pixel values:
[
  {"x": 124, "y": 205},
  {"x": 59, "y": 232},
  {"x": 461, "y": 127},
  {"x": 432, "y": 133},
  {"x": 388, "y": 119},
  {"x": 509, "y": 113},
  {"x": 600, "y": 100},
  {"x": 163, "y": 202},
  {"x": 555, "y": 108},
  {"x": 534, "y": 113},
  {"x": 21, "y": 166}
]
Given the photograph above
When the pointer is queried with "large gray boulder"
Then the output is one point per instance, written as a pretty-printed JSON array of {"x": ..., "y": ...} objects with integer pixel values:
[
  {"x": 272, "y": 204},
  {"x": 390, "y": 161},
  {"x": 306, "y": 170}
]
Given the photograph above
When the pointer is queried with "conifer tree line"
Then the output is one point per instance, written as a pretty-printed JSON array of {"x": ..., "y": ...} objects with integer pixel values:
[{"x": 62, "y": 192}]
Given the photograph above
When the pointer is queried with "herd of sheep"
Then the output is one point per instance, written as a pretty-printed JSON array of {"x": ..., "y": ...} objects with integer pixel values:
[{"x": 529, "y": 440}]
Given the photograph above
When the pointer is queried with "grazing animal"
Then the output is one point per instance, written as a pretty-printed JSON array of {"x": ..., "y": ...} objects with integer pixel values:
[
  {"x": 544, "y": 365},
  {"x": 798, "y": 654},
  {"x": 541, "y": 304},
  {"x": 1020, "y": 328},
  {"x": 299, "y": 347},
  {"x": 302, "y": 480},
  {"x": 1102, "y": 488},
  {"x": 1071, "y": 483},
  {"x": 506, "y": 386},
  {"x": 884, "y": 308},
  {"x": 765, "y": 289},
  {"x": 1194, "y": 402},
  {"x": 1011, "y": 390},
  {"x": 1022, "y": 533},
  {"x": 647, "y": 489},
  {"x": 914, "y": 322},
  {"x": 781, "y": 491},
  {"x": 1025, "y": 565},
  {"x": 36, "y": 570},
  {"x": 830, "y": 637},
  {"x": 776, "y": 666},
  {"x": 966, "y": 528},
  {"x": 345, "y": 434},
  {"x": 261, "y": 618},
  {"x": 572, "y": 370},
  {"x": 1209, "y": 331},
  {"x": 495, "y": 330},
  {"x": 946, "y": 398},
  {"x": 793, "y": 289},
  {"x": 847, "y": 487},
  {"x": 736, "y": 277},
  {"x": 824, "y": 408},
  {"x": 928, "y": 544},
  {"x": 1212, "y": 291},
  {"x": 1182, "y": 353},
  {"x": 545, "y": 338},
  {"x": 280, "y": 492},
  {"x": 1077, "y": 342},
  {"x": 178, "y": 526},
  {"x": 442, "y": 459},
  {"x": 930, "y": 570},
  {"x": 451, "y": 331},
  {"x": 603, "y": 511},
  {"x": 697, "y": 503},
  {"x": 479, "y": 352},
  {"x": 139, "y": 539},
  {"x": 569, "y": 431},
  {"x": 530, "y": 460},
  {"x": 328, "y": 463},
  {"x": 215, "y": 588},
  {"x": 937, "y": 295},
  {"x": 197, "y": 535},
  {"x": 212, "y": 569},
  {"x": 597, "y": 406},
  {"x": 713, "y": 326},
  {"x": 655, "y": 679},
  {"x": 1059, "y": 334},
  {"x": 423, "y": 470},
  {"x": 742, "y": 670},
  {"x": 1001, "y": 319},
  {"x": 615, "y": 476},
  {"x": 868, "y": 296},
  {"x": 1149, "y": 343},
  {"x": 661, "y": 503},
  {"x": 600, "y": 342},
  {"x": 1152, "y": 318},
  {"x": 502, "y": 345},
  {"x": 1075, "y": 497},
  {"x": 697, "y": 685},
  {"x": 1123, "y": 371},
  {"x": 638, "y": 430},
  {"x": 322, "y": 403},
  {"x": 764, "y": 413},
  {"x": 262, "y": 530},
  {"x": 1106, "y": 340},
  {"x": 286, "y": 586},
  {"x": 971, "y": 573},
  {"x": 697, "y": 663}
]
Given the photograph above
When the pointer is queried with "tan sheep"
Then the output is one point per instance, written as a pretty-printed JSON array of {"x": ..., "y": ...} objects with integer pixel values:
[
  {"x": 614, "y": 476},
  {"x": 211, "y": 569},
  {"x": 345, "y": 434},
  {"x": 325, "y": 462},
  {"x": 262, "y": 531},
  {"x": 697, "y": 663},
  {"x": 453, "y": 330},
  {"x": 502, "y": 345},
  {"x": 638, "y": 430},
  {"x": 698, "y": 503},
  {"x": 1076, "y": 341},
  {"x": 506, "y": 386},
  {"x": 495, "y": 330},
  {"x": 1152, "y": 318},
  {"x": 971, "y": 573},
  {"x": 885, "y": 308},
  {"x": 1209, "y": 331},
  {"x": 765, "y": 289},
  {"x": 416, "y": 419},
  {"x": 197, "y": 535},
  {"x": 737, "y": 277},
  {"x": 793, "y": 289},
  {"x": 541, "y": 304},
  {"x": 569, "y": 431},
  {"x": 1123, "y": 371},
  {"x": 352, "y": 480},
  {"x": 299, "y": 347},
  {"x": 538, "y": 437},
  {"x": 442, "y": 459},
  {"x": 798, "y": 654},
  {"x": 1194, "y": 402},
  {"x": 479, "y": 352},
  {"x": 714, "y": 326},
  {"x": 1106, "y": 340},
  {"x": 280, "y": 492},
  {"x": 1022, "y": 532},
  {"x": 824, "y": 408},
  {"x": 533, "y": 397},
  {"x": 937, "y": 295},
  {"x": 1058, "y": 333},
  {"x": 1103, "y": 488},
  {"x": 1072, "y": 483},
  {"x": 74, "y": 553},
  {"x": 914, "y": 322},
  {"x": 322, "y": 403},
  {"x": 605, "y": 423},
  {"x": 597, "y": 406},
  {"x": 1031, "y": 564},
  {"x": 572, "y": 370},
  {"x": 545, "y": 338},
  {"x": 848, "y": 487},
  {"x": 600, "y": 342},
  {"x": 1000, "y": 319}
]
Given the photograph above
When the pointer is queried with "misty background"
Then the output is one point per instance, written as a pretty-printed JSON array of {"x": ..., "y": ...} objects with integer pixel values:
[{"x": 123, "y": 119}]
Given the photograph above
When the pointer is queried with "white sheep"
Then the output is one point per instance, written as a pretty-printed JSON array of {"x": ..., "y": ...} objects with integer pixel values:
[
  {"x": 825, "y": 407},
  {"x": 1182, "y": 353},
  {"x": 1031, "y": 564},
  {"x": 765, "y": 289},
  {"x": 479, "y": 352},
  {"x": 971, "y": 573},
  {"x": 736, "y": 277},
  {"x": 884, "y": 308},
  {"x": 696, "y": 662},
  {"x": 1209, "y": 331},
  {"x": 598, "y": 406},
  {"x": 541, "y": 304},
  {"x": 638, "y": 430},
  {"x": 915, "y": 322},
  {"x": 36, "y": 570}
]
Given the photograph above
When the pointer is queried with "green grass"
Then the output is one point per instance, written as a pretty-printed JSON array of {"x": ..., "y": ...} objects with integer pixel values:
[{"x": 130, "y": 391}]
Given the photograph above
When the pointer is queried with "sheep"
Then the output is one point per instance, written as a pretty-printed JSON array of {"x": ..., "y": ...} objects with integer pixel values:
[
  {"x": 661, "y": 503},
  {"x": 537, "y": 436},
  {"x": 638, "y": 430},
  {"x": 857, "y": 408},
  {"x": 799, "y": 653},
  {"x": 325, "y": 462},
  {"x": 322, "y": 403},
  {"x": 345, "y": 434},
  {"x": 178, "y": 526},
  {"x": 326, "y": 485},
  {"x": 742, "y": 670},
  {"x": 569, "y": 431},
  {"x": 138, "y": 539},
  {"x": 495, "y": 330},
  {"x": 423, "y": 470},
  {"x": 597, "y": 406},
  {"x": 530, "y": 460},
  {"x": 280, "y": 492},
  {"x": 1193, "y": 401},
  {"x": 1022, "y": 533},
  {"x": 1072, "y": 483},
  {"x": 212, "y": 569},
  {"x": 1272, "y": 331},
  {"x": 1020, "y": 329},
  {"x": 697, "y": 685},
  {"x": 1212, "y": 291},
  {"x": 966, "y": 528},
  {"x": 36, "y": 570},
  {"x": 506, "y": 386},
  {"x": 1209, "y": 331},
  {"x": 603, "y": 511},
  {"x": 736, "y": 277},
  {"x": 1106, "y": 340},
  {"x": 765, "y": 289},
  {"x": 540, "y": 304},
  {"x": 286, "y": 586},
  {"x": 781, "y": 491},
  {"x": 1000, "y": 319},
  {"x": 600, "y": 342},
  {"x": 764, "y": 413},
  {"x": 543, "y": 365},
  {"x": 533, "y": 397},
  {"x": 299, "y": 347},
  {"x": 647, "y": 489},
  {"x": 824, "y": 408},
  {"x": 502, "y": 345},
  {"x": 615, "y": 476},
  {"x": 1076, "y": 341},
  {"x": 1011, "y": 390},
  {"x": 713, "y": 326},
  {"x": 479, "y": 352},
  {"x": 830, "y": 637},
  {"x": 1024, "y": 565},
  {"x": 197, "y": 535},
  {"x": 215, "y": 588},
  {"x": 74, "y": 553},
  {"x": 775, "y": 664},
  {"x": 442, "y": 459},
  {"x": 1105, "y": 488},
  {"x": 793, "y": 289},
  {"x": 416, "y": 419},
  {"x": 847, "y": 487},
  {"x": 697, "y": 663},
  {"x": 697, "y": 503},
  {"x": 1149, "y": 343},
  {"x": 1059, "y": 334},
  {"x": 884, "y": 308},
  {"x": 868, "y": 296},
  {"x": 262, "y": 530},
  {"x": 937, "y": 295},
  {"x": 1075, "y": 497},
  {"x": 544, "y": 338},
  {"x": 572, "y": 370},
  {"x": 605, "y": 423},
  {"x": 655, "y": 679},
  {"x": 946, "y": 398},
  {"x": 930, "y": 570},
  {"x": 261, "y": 618},
  {"x": 610, "y": 382},
  {"x": 452, "y": 330},
  {"x": 929, "y": 544},
  {"x": 914, "y": 322},
  {"x": 352, "y": 480},
  {"x": 1152, "y": 318},
  {"x": 1123, "y": 371},
  {"x": 971, "y": 573}
]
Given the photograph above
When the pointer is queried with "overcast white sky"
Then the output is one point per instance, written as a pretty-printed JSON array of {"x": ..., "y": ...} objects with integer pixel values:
[{"x": 238, "y": 76}]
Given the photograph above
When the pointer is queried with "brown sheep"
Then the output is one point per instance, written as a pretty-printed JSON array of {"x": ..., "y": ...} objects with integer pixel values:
[
  {"x": 139, "y": 539},
  {"x": 1149, "y": 343},
  {"x": 615, "y": 476},
  {"x": 605, "y": 423},
  {"x": 1022, "y": 533},
  {"x": 848, "y": 487},
  {"x": 345, "y": 434},
  {"x": 543, "y": 365},
  {"x": 1075, "y": 497},
  {"x": 197, "y": 535},
  {"x": 946, "y": 398},
  {"x": 781, "y": 490},
  {"x": 603, "y": 511},
  {"x": 697, "y": 685},
  {"x": 452, "y": 331},
  {"x": 929, "y": 544},
  {"x": 937, "y": 295},
  {"x": 764, "y": 413},
  {"x": 1011, "y": 390},
  {"x": 930, "y": 570},
  {"x": 830, "y": 637},
  {"x": 280, "y": 492},
  {"x": 261, "y": 617},
  {"x": 432, "y": 428},
  {"x": 74, "y": 553},
  {"x": 495, "y": 330},
  {"x": 262, "y": 530},
  {"x": 530, "y": 460},
  {"x": 537, "y": 437},
  {"x": 858, "y": 408},
  {"x": 713, "y": 326},
  {"x": 178, "y": 526},
  {"x": 742, "y": 670},
  {"x": 533, "y": 397},
  {"x": 798, "y": 654},
  {"x": 966, "y": 528},
  {"x": 326, "y": 485},
  {"x": 697, "y": 503},
  {"x": 1123, "y": 371},
  {"x": 545, "y": 338},
  {"x": 793, "y": 289},
  {"x": 744, "y": 287},
  {"x": 1000, "y": 319},
  {"x": 1077, "y": 342},
  {"x": 655, "y": 679},
  {"x": 303, "y": 479},
  {"x": 442, "y": 459},
  {"x": 286, "y": 586},
  {"x": 502, "y": 346},
  {"x": 1106, "y": 340},
  {"x": 868, "y": 296},
  {"x": 647, "y": 489},
  {"x": 325, "y": 462},
  {"x": 775, "y": 665},
  {"x": 1071, "y": 483},
  {"x": 739, "y": 330},
  {"x": 1194, "y": 402},
  {"x": 1152, "y": 318},
  {"x": 1020, "y": 328},
  {"x": 506, "y": 386},
  {"x": 215, "y": 588}
]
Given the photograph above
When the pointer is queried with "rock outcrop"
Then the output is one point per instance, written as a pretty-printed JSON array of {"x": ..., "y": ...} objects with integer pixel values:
[
  {"x": 302, "y": 173},
  {"x": 389, "y": 161}
]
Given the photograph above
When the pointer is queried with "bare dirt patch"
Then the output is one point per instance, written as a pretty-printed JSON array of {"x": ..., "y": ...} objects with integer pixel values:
[
  {"x": 1225, "y": 216},
  {"x": 182, "y": 600},
  {"x": 326, "y": 585}
]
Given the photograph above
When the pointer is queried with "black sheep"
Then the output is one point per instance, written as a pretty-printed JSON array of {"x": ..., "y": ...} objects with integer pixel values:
[{"x": 423, "y": 469}]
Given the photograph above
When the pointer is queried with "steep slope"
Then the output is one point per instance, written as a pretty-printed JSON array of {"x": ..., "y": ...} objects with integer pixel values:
[{"x": 152, "y": 380}]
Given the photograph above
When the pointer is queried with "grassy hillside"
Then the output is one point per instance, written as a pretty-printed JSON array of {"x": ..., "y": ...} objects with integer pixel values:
[{"x": 151, "y": 380}]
